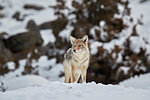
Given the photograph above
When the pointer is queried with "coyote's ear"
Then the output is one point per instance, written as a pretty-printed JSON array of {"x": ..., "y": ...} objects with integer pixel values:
[
  {"x": 72, "y": 39},
  {"x": 85, "y": 39}
]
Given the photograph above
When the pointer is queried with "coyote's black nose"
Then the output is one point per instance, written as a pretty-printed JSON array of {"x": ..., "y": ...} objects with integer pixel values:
[{"x": 74, "y": 51}]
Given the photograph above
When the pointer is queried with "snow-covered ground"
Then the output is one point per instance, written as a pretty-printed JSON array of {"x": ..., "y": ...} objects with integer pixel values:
[
  {"x": 24, "y": 81},
  {"x": 142, "y": 81},
  {"x": 38, "y": 88}
]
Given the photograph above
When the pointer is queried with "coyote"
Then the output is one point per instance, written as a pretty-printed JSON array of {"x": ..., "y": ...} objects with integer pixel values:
[{"x": 76, "y": 60}]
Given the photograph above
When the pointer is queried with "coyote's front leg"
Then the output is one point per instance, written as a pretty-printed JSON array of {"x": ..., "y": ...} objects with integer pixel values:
[{"x": 83, "y": 74}]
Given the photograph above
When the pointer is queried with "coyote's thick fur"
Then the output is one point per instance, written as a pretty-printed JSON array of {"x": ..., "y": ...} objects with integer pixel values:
[{"x": 76, "y": 60}]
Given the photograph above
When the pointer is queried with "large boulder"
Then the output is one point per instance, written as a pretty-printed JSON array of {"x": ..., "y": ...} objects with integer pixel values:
[
  {"x": 23, "y": 41},
  {"x": 56, "y": 25},
  {"x": 5, "y": 54}
]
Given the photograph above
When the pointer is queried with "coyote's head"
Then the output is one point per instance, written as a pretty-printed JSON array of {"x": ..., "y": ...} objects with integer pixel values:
[{"x": 79, "y": 45}]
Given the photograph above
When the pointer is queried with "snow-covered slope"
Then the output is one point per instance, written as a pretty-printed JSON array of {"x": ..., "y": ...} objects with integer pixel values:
[
  {"x": 51, "y": 69},
  {"x": 38, "y": 88},
  {"x": 142, "y": 81},
  {"x": 89, "y": 91},
  {"x": 24, "y": 81}
]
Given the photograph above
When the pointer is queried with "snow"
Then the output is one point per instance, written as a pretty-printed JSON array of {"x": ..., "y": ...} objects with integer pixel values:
[
  {"x": 92, "y": 32},
  {"x": 66, "y": 32},
  {"x": 11, "y": 65},
  {"x": 138, "y": 82},
  {"x": 24, "y": 81},
  {"x": 33, "y": 87},
  {"x": 125, "y": 69},
  {"x": 102, "y": 6},
  {"x": 43, "y": 16},
  {"x": 119, "y": 59},
  {"x": 69, "y": 4},
  {"x": 102, "y": 23},
  {"x": 17, "y": 72},
  {"x": 49, "y": 69},
  {"x": 142, "y": 12},
  {"x": 47, "y": 36},
  {"x": 94, "y": 45},
  {"x": 75, "y": 91},
  {"x": 136, "y": 44}
]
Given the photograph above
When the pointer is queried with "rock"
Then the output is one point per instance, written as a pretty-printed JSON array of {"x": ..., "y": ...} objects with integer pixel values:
[
  {"x": 2, "y": 15},
  {"x": 26, "y": 40},
  {"x": 35, "y": 7},
  {"x": 54, "y": 25},
  {"x": 17, "y": 16},
  {"x": 31, "y": 26},
  {"x": 46, "y": 25},
  {"x": 5, "y": 54},
  {"x": 1, "y": 7}
]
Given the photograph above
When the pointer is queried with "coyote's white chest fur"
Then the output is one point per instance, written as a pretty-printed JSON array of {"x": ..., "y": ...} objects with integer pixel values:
[
  {"x": 76, "y": 60},
  {"x": 81, "y": 59}
]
